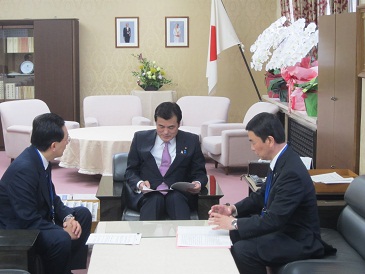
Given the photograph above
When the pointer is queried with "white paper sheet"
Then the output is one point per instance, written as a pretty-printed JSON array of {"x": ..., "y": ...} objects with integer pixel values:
[
  {"x": 114, "y": 238},
  {"x": 331, "y": 178},
  {"x": 202, "y": 236}
]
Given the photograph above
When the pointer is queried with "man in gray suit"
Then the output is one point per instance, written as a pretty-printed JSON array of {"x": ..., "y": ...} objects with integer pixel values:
[
  {"x": 145, "y": 162},
  {"x": 279, "y": 223}
]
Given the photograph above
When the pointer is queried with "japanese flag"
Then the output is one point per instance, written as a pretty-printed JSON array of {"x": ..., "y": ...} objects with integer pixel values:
[{"x": 222, "y": 36}]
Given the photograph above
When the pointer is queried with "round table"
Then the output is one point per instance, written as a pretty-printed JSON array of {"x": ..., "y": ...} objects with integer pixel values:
[{"x": 91, "y": 149}]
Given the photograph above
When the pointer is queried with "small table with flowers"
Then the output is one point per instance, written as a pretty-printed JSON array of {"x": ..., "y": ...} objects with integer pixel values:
[{"x": 151, "y": 99}]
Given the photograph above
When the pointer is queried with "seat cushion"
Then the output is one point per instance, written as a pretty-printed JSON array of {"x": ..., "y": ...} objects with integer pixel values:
[
  {"x": 213, "y": 144},
  {"x": 344, "y": 251}
]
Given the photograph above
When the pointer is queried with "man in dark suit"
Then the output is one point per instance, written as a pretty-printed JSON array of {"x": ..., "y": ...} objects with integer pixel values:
[
  {"x": 28, "y": 200},
  {"x": 145, "y": 160},
  {"x": 279, "y": 223},
  {"x": 127, "y": 33}
]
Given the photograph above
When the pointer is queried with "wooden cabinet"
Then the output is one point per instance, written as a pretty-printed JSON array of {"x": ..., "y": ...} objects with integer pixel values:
[
  {"x": 55, "y": 54},
  {"x": 338, "y": 96}
]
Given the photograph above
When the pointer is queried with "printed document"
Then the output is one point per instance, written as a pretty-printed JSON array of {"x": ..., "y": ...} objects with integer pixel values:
[
  {"x": 331, "y": 178},
  {"x": 202, "y": 236},
  {"x": 114, "y": 238}
]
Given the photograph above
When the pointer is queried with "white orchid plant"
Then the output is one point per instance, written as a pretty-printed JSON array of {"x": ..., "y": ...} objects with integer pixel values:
[{"x": 282, "y": 46}]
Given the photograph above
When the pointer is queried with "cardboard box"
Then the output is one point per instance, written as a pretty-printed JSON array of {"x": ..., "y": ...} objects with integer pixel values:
[{"x": 84, "y": 200}]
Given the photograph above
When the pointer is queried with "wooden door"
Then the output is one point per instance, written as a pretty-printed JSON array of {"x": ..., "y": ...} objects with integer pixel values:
[
  {"x": 326, "y": 87},
  {"x": 338, "y": 103},
  {"x": 346, "y": 120},
  {"x": 57, "y": 66}
]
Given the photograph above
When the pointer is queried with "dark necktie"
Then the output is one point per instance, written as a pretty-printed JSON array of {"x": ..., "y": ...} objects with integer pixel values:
[
  {"x": 50, "y": 189},
  {"x": 269, "y": 179}
]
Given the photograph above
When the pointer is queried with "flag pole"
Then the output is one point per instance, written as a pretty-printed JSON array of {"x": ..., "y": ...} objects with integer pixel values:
[
  {"x": 249, "y": 71},
  {"x": 248, "y": 68}
]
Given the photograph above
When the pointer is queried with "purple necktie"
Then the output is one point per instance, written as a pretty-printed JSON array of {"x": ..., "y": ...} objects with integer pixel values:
[{"x": 165, "y": 164}]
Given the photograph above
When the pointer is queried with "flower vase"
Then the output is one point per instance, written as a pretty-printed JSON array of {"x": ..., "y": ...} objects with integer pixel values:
[{"x": 150, "y": 88}]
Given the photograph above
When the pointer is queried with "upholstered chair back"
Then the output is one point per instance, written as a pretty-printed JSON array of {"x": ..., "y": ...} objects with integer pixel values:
[
  {"x": 199, "y": 109},
  {"x": 113, "y": 110}
]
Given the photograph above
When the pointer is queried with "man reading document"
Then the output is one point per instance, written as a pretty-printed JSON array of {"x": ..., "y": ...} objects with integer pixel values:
[{"x": 159, "y": 158}]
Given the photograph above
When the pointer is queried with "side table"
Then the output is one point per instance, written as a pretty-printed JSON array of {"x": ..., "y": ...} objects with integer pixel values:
[
  {"x": 16, "y": 249},
  {"x": 151, "y": 99}
]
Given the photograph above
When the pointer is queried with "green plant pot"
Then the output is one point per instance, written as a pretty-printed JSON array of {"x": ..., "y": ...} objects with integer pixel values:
[{"x": 311, "y": 103}]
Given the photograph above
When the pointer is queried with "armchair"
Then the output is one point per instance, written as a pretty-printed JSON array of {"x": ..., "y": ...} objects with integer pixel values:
[
  {"x": 119, "y": 168},
  {"x": 200, "y": 111},
  {"x": 228, "y": 144},
  {"x": 113, "y": 110},
  {"x": 17, "y": 118}
]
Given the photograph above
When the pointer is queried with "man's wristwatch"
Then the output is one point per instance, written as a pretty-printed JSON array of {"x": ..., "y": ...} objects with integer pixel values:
[
  {"x": 234, "y": 224},
  {"x": 69, "y": 216}
]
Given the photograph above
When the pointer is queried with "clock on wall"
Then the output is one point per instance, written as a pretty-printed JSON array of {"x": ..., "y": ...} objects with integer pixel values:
[{"x": 27, "y": 67}]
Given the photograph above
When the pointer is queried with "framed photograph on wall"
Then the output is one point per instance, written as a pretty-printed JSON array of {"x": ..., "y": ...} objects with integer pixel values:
[
  {"x": 177, "y": 31},
  {"x": 126, "y": 32}
]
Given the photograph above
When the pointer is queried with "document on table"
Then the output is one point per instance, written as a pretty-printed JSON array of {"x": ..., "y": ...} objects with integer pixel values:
[
  {"x": 202, "y": 236},
  {"x": 331, "y": 178},
  {"x": 114, "y": 238}
]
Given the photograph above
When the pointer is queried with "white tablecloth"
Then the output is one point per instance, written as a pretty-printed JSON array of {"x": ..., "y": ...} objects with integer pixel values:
[{"x": 91, "y": 149}]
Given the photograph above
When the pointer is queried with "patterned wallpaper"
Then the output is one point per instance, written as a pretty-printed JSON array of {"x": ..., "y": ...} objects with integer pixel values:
[{"x": 105, "y": 69}]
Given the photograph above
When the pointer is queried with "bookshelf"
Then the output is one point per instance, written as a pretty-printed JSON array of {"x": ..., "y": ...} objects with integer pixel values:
[
  {"x": 17, "y": 48},
  {"x": 39, "y": 58}
]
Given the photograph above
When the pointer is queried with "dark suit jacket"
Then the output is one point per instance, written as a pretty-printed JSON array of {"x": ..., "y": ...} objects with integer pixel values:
[
  {"x": 24, "y": 196},
  {"x": 188, "y": 165},
  {"x": 291, "y": 224}
]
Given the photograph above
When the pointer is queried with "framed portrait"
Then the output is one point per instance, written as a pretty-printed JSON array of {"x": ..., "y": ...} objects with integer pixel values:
[
  {"x": 177, "y": 31},
  {"x": 126, "y": 32}
]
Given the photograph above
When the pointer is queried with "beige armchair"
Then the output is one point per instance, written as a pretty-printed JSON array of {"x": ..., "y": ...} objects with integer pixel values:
[
  {"x": 113, "y": 110},
  {"x": 200, "y": 111},
  {"x": 227, "y": 144},
  {"x": 17, "y": 118}
]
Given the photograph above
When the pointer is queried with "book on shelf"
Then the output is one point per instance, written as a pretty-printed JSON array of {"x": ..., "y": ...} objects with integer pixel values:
[
  {"x": 10, "y": 92},
  {"x": 2, "y": 95},
  {"x": 26, "y": 92},
  {"x": 19, "y": 44}
]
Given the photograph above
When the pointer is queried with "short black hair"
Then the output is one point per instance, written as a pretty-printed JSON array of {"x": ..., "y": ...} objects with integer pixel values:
[
  {"x": 47, "y": 128},
  {"x": 267, "y": 124},
  {"x": 167, "y": 110}
]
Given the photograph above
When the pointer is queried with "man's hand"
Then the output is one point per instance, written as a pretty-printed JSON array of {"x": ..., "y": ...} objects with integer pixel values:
[
  {"x": 222, "y": 209},
  {"x": 144, "y": 184},
  {"x": 196, "y": 189},
  {"x": 220, "y": 221},
  {"x": 73, "y": 228}
]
